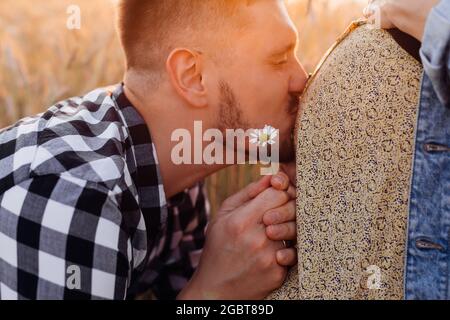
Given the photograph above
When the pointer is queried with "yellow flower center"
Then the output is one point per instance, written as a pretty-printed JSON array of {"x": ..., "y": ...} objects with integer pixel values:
[{"x": 264, "y": 137}]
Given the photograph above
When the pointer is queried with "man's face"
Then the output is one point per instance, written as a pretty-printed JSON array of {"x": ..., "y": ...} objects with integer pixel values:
[{"x": 262, "y": 79}]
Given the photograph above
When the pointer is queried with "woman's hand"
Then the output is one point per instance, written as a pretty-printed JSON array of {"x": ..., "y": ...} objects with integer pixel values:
[
  {"x": 239, "y": 259},
  {"x": 409, "y": 16}
]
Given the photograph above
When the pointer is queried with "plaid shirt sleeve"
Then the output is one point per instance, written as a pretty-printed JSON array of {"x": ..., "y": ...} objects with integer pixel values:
[
  {"x": 83, "y": 213},
  {"x": 188, "y": 216},
  {"x": 50, "y": 256}
]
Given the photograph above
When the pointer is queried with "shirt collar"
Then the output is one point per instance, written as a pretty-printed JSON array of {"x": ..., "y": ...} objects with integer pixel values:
[{"x": 142, "y": 159}]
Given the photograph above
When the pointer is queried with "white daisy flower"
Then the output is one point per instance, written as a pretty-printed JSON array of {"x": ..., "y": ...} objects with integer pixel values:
[
  {"x": 254, "y": 136},
  {"x": 265, "y": 136}
]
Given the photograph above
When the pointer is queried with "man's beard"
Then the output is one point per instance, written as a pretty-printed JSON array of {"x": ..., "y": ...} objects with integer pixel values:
[{"x": 231, "y": 117}]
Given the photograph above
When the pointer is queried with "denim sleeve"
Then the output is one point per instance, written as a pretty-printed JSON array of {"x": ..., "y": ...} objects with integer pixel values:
[{"x": 435, "y": 51}]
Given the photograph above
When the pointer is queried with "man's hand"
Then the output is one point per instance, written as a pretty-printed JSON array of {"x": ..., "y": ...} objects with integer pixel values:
[
  {"x": 239, "y": 260},
  {"x": 409, "y": 16}
]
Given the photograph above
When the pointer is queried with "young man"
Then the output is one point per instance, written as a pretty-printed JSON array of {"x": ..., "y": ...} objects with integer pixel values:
[{"x": 84, "y": 186}]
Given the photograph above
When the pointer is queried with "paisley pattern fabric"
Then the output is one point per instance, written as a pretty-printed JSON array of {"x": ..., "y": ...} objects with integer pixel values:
[{"x": 355, "y": 141}]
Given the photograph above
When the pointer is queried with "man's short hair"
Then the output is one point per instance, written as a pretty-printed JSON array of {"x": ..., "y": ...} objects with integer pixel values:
[{"x": 150, "y": 29}]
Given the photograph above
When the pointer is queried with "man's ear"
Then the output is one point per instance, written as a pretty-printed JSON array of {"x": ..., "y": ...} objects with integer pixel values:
[{"x": 185, "y": 70}]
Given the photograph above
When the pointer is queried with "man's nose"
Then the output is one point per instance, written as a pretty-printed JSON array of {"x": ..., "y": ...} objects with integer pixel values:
[{"x": 298, "y": 79}]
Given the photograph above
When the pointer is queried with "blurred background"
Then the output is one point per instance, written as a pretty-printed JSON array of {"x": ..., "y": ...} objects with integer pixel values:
[{"x": 42, "y": 61}]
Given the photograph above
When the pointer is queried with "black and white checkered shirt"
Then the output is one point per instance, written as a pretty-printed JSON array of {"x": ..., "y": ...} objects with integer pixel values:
[{"x": 83, "y": 214}]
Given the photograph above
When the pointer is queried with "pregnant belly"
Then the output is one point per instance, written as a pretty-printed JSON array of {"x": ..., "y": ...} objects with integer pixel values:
[{"x": 355, "y": 141}]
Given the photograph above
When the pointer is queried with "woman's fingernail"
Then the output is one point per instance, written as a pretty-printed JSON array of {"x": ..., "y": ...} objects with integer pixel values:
[
  {"x": 272, "y": 217},
  {"x": 270, "y": 231},
  {"x": 281, "y": 256},
  {"x": 279, "y": 180},
  {"x": 368, "y": 11}
]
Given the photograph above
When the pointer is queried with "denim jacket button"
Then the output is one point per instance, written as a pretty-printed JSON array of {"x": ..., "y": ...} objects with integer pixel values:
[
  {"x": 426, "y": 244},
  {"x": 433, "y": 147}
]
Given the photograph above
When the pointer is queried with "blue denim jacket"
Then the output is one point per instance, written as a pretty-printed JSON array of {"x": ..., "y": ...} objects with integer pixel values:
[{"x": 427, "y": 265}]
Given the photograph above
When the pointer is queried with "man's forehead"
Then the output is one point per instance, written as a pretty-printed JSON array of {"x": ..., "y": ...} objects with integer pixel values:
[
  {"x": 270, "y": 15},
  {"x": 269, "y": 19}
]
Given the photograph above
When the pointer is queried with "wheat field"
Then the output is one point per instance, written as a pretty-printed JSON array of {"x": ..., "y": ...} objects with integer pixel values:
[{"x": 42, "y": 61}]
